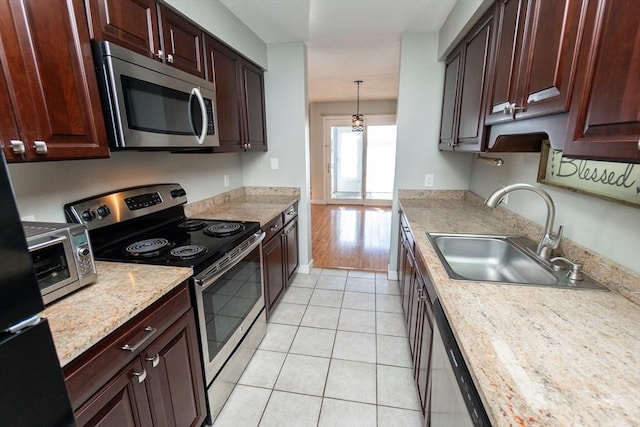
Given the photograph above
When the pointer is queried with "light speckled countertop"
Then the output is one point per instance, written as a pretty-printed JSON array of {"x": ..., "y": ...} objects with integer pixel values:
[
  {"x": 123, "y": 290},
  {"x": 538, "y": 356},
  {"x": 248, "y": 207}
]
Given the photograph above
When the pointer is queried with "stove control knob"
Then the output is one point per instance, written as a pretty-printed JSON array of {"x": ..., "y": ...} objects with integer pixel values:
[
  {"x": 88, "y": 215},
  {"x": 103, "y": 211}
]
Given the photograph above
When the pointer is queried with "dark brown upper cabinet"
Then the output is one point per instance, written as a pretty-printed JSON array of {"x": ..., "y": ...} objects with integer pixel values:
[
  {"x": 536, "y": 47},
  {"x": 150, "y": 29},
  {"x": 465, "y": 90},
  {"x": 239, "y": 98},
  {"x": 50, "y": 99},
  {"x": 604, "y": 120}
]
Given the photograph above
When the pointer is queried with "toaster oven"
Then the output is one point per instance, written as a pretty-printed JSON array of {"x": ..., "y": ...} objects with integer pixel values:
[{"x": 62, "y": 257}]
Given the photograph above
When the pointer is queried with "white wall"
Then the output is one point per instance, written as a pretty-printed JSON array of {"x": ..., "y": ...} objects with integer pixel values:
[
  {"x": 609, "y": 229},
  {"x": 287, "y": 134},
  {"x": 219, "y": 21},
  {"x": 317, "y": 111},
  {"x": 419, "y": 110},
  {"x": 43, "y": 188}
]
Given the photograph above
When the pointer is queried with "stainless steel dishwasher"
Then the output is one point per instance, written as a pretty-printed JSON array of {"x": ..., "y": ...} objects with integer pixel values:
[{"x": 454, "y": 399}]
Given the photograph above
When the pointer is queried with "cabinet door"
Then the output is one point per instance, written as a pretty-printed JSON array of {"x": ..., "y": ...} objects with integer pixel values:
[
  {"x": 604, "y": 120},
  {"x": 291, "y": 237},
  {"x": 450, "y": 104},
  {"x": 223, "y": 68},
  {"x": 182, "y": 42},
  {"x": 129, "y": 23},
  {"x": 407, "y": 283},
  {"x": 175, "y": 384},
  {"x": 120, "y": 403},
  {"x": 548, "y": 63},
  {"x": 8, "y": 127},
  {"x": 508, "y": 44},
  {"x": 471, "y": 128},
  {"x": 423, "y": 348},
  {"x": 50, "y": 73},
  {"x": 273, "y": 265},
  {"x": 254, "y": 115}
]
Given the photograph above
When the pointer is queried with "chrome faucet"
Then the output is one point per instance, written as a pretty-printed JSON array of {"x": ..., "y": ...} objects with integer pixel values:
[{"x": 548, "y": 242}]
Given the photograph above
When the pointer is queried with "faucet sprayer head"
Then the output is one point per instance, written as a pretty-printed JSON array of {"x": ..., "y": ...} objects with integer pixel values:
[{"x": 494, "y": 199}]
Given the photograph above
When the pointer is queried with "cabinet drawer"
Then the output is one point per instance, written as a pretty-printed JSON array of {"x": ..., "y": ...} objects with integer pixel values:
[
  {"x": 289, "y": 214},
  {"x": 272, "y": 228},
  {"x": 421, "y": 270},
  {"x": 406, "y": 233},
  {"x": 94, "y": 368}
]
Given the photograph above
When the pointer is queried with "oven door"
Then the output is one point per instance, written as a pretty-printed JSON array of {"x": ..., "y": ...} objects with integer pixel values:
[
  {"x": 153, "y": 105},
  {"x": 54, "y": 264},
  {"x": 228, "y": 302}
]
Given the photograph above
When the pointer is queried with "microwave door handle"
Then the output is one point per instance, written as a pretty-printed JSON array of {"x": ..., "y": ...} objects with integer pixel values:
[
  {"x": 47, "y": 243},
  {"x": 203, "y": 132}
]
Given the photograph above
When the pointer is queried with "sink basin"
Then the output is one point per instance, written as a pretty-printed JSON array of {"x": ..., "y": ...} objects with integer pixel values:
[{"x": 502, "y": 259}]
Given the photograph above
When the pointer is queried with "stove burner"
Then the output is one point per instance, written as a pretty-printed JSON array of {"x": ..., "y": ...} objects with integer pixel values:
[
  {"x": 192, "y": 224},
  {"x": 190, "y": 251},
  {"x": 224, "y": 229},
  {"x": 147, "y": 248}
]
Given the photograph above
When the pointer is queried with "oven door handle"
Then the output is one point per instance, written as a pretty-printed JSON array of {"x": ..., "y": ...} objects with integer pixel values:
[{"x": 212, "y": 274}]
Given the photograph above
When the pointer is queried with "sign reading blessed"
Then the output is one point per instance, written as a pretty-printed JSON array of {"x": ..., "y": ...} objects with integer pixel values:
[{"x": 617, "y": 182}]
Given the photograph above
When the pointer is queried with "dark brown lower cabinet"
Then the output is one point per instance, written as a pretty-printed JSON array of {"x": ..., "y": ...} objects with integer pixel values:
[
  {"x": 280, "y": 255},
  {"x": 418, "y": 295},
  {"x": 157, "y": 382},
  {"x": 273, "y": 263}
]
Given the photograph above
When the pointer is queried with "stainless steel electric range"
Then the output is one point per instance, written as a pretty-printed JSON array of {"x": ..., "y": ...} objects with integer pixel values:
[{"x": 147, "y": 225}]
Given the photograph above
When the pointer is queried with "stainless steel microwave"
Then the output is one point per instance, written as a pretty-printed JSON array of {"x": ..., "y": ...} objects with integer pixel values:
[
  {"x": 62, "y": 257},
  {"x": 151, "y": 105}
]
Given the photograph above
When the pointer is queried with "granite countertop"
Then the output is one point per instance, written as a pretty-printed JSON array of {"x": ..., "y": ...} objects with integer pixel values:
[
  {"x": 538, "y": 355},
  {"x": 122, "y": 291},
  {"x": 260, "y": 208}
]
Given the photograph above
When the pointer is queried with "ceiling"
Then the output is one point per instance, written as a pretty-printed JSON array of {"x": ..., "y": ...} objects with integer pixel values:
[{"x": 346, "y": 40}]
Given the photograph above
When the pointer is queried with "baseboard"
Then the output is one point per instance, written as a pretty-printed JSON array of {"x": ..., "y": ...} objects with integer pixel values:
[
  {"x": 392, "y": 275},
  {"x": 306, "y": 268}
]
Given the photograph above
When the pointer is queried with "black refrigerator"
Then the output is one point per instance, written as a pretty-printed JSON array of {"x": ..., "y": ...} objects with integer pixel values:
[{"x": 32, "y": 388}]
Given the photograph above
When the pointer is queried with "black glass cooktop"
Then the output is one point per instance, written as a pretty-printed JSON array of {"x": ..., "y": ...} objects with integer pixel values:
[{"x": 194, "y": 243}]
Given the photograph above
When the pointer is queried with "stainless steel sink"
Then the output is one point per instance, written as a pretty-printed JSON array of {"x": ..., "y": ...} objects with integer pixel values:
[{"x": 502, "y": 259}]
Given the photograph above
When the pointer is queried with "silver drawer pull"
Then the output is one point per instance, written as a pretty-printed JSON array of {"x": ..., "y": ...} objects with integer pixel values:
[
  {"x": 155, "y": 360},
  {"x": 150, "y": 331},
  {"x": 140, "y": 375},
  {"x": 275, "y": 227},
  {"x": 40, "y": 147},
  {"x": 17, "y": 146}
]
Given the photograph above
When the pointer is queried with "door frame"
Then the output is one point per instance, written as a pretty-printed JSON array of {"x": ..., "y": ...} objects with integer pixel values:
[{"x": 345, "y": 120}]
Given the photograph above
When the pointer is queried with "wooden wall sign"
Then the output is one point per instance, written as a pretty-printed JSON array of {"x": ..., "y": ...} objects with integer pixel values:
[{"x": 616, "y": 182}]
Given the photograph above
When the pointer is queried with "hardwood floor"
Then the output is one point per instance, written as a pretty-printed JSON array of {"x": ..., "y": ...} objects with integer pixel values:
[{"x": 356, "y": 237}]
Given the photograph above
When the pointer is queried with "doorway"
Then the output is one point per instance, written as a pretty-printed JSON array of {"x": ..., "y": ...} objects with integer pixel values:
[{"x": 360, "y": 165}]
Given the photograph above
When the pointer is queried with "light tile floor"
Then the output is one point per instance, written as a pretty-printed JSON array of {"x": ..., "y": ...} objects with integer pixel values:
[{"x": 335, "y": 354}]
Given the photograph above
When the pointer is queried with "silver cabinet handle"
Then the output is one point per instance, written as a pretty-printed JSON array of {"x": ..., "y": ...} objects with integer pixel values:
[
  {"x": 17, "y": 146},
  {"x": 170, "y": 59},
  {"x": 150, "y": 331},
  {"x": 159, "y": 55},
  {"x": 155, "y": 360},
  {"x": 140, "y": 375},
  {"x": 275, "y": 227},
  {"x": 249, "y": 145},
  {"x": 40, "y": 146},
  {"x": 203, "y": 109}
]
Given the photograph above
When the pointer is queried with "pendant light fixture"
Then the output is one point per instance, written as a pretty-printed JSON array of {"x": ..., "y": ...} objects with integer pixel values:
[{"x": 357, "y": 120}]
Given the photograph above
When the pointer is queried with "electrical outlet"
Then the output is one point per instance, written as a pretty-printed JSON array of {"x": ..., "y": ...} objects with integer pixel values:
[
  {"x": 274, "y": 163},
  {"x": 428, "y": 180},
  {"x": 226, "y": 180}
]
